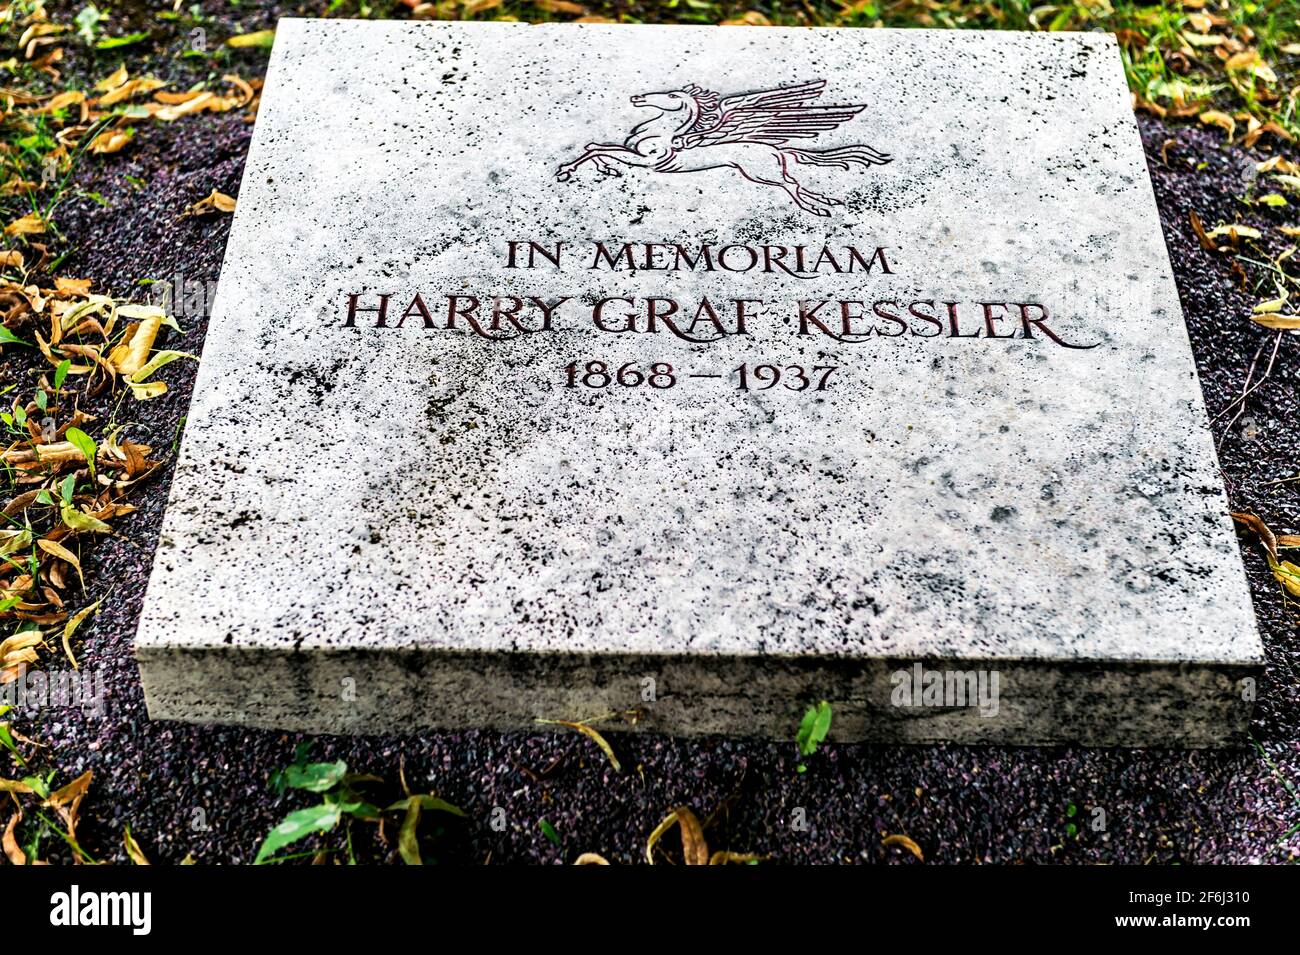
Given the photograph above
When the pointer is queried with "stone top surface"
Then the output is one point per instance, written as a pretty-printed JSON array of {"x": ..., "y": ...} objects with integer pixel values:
[{"x": 1025, "y": 472}]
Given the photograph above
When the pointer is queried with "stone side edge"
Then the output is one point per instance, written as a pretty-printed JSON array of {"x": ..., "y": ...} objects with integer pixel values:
[{"x": 1121, "y": 703}]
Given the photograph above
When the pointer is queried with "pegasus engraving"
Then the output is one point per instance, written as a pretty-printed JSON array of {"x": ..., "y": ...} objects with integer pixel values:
[{"x": 695, "y": 130}]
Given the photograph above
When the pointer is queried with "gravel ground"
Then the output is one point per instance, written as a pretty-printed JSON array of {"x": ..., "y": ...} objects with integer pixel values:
[{"x": 203, "y": 791}]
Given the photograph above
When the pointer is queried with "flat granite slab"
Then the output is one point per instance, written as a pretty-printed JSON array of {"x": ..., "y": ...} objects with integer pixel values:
[{"x": 710, "y": 372}]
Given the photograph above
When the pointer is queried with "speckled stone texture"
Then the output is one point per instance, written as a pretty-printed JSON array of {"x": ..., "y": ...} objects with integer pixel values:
[{"x": 372, "y": 527}]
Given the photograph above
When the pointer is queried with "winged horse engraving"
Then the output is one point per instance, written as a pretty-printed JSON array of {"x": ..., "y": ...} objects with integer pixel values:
[{"x": 695, "y": 130}]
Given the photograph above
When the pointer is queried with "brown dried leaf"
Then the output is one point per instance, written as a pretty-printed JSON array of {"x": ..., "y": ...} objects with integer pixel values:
[
  {"x": 15, "y": 855},
  {"x": 591, "y": 858},
  {"x": 694, "y": 848},
  {"x": 1207, "y": 243},
  {"x": 61, "y": 552},
  {"x": 1252, "y": 522}
]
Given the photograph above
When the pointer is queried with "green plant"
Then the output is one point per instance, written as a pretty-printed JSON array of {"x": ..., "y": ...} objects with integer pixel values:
[
  {"x": 340, "y": 801},
  {"x": 813, "y": 728}
]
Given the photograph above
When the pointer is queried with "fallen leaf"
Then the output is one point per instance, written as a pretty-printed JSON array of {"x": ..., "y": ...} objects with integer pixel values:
[
  {"x": 906, "y": 843},
  {"x": 61, "y": 552},
  {"x": 70, "y": 628},
  {"x": 213, "y": 202},
  {"x": 133, "y": 850},
  {"x": 262, "y": 38},
  {"x": 15, "y": 855},
  {"x": 1214, "y": 117},
  {"x": 111, "y": 141},
  {"x": 139, "y": 86},
  {"x": 1287, "y": 574},
  {"x": 1235, "y": 232},
  {"x": 751, "y": 18},
  {"x": 1207, "y": 243},
  {"x": 592, "y": 735},
  {"x": 694, "y": 849},
  {"x": 591, "y": 858},
  {"x": 1283, "y": 322},
  {"x": 30, "y": 224},
  {"x": 1259, "y": 527},
  {"x": 560, "y": 6}
]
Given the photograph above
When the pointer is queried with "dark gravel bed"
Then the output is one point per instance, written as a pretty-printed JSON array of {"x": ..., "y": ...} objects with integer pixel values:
[{"x": 204, "y": 792}]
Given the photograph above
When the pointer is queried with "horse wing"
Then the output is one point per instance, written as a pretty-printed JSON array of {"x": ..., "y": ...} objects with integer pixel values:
[{"x": 771, "y": 116}]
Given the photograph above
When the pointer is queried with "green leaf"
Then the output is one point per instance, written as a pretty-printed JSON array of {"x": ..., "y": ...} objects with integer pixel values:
[
  {"x": 298, "y": 825},
  {"x": 61, "y": 373},
  {"x": 83, "y": 443},
  {"x": 66, "y": 487},
  {"x": 114, "y": 42},
  {"x": 549, "y": 831},
  {"x": 813, "y": 728},
  {"x": 315, "y": 777},
  {"x": 81, "y": 521},
  {"x": 408, "y": 838}
]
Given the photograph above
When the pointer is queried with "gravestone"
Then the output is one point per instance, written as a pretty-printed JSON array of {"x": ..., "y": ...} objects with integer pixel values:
[{"x": 701, "y": 374}]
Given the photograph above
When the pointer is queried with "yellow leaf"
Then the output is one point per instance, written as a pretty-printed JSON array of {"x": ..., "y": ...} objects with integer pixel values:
[
  {"x": 74, "y": 790},
  {"x": 1287, "y": 574},
  {"x": 30, "y": 224},
  {"x": 592, "y": 735},
  {"x": 694, "y": 849},
  {"x": 1214, "y": 117},
  {"x": 70, "y": 628},
  {"x": 1277, "y": 321},
  {"x": 1234, "y": 232},
  {"x": 111, "y": 141},
  {"x": 213, "y": 202},
  {"x": 112, "y": 81},
  {"x": 751, "y": 18},
  {"x": 260, "y": 38},
  {"x": 136, "y": 87},
  {"x": 561, "y": 6},
  {"x": 906, "y": 843},
  {"x": 591, "y": 858},
  {"x": 131, "y": 353},
  {"x": 61, "y": 552}
]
